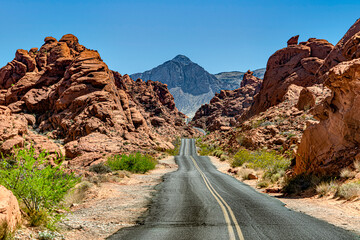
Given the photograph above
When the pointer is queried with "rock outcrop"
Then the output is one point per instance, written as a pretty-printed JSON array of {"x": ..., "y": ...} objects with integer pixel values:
[
  {"x": 333, "y": 143},
  {"x": 223, "y": 109},
  {"x": 71, "y": 94},
  {"x": 296, "y": 64},
  {"x": 10, "y": 216}
]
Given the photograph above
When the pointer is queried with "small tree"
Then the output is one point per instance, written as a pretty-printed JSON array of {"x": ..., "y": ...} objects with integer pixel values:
[{"x": 38, "y": 185}]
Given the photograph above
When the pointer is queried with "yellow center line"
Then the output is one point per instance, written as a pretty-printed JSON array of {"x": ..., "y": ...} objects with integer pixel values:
[{"x": 221, "y": 202}]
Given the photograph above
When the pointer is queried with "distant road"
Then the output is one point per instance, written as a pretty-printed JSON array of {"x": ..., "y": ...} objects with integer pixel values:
[
  {"x": 199, "y": 202},
  {"x": 201, "y": 130}
]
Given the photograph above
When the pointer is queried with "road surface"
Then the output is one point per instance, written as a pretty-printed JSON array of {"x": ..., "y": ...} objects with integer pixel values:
[{"x": 199, "y": 202}]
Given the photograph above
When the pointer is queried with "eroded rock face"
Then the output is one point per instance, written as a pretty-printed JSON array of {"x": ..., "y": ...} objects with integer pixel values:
[
  {"x": 226, "y": 106},
  {"x": 332, "y": 144},
  {"x": 296, "y": 64},
  {"x": 72, "y": 94},
  {"x": 10, "y": 215}
]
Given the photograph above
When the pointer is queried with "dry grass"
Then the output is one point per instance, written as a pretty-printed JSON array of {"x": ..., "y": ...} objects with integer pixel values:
[
  {"x": 244, "y": 173},
  {"x": 347, "y": 173},
  {"x": 263, "y": 184},
  {"x": 357, "y": 165},
  {"x": 327, "y": 188},
  {"x": 349, "y": 191},
  {"x": 78, "y": 194}
]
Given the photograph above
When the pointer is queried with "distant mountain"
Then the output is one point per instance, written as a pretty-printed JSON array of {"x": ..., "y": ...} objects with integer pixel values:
[{"x": 190, "y": 84}]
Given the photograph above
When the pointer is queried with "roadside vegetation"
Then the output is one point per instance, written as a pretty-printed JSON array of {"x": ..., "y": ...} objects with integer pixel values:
[
  {"x": 269, "y": 168},
  {"x": 39, "y": 187},
  {"x": 136, "y": 163}
]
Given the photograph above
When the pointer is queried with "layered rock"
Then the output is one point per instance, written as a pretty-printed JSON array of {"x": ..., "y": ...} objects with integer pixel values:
[
  {"x": 223, "y": 109},
  {"x": 296, "y": 64},
  {"x": 72, "y": 94},
  {"x": 10, "y": 216},
  {"x": 278, "y": 128},
  {"x": 332, "y": 144}
]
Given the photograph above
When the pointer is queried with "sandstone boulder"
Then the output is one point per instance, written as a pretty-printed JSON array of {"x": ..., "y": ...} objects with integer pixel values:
[{"x": 10, "y": 215}]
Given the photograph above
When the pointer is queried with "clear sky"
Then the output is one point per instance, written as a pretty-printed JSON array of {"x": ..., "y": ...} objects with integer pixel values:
[{"x": 136, "y": 35}]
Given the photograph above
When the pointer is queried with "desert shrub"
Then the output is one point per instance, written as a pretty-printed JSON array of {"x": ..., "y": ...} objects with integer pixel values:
[
  {"x": 326, "y": 188},
  {"x": 244, "y": 173},
  {"x": 349, "y": 190},
  {"x": 357, "y": 165},
  {"x": 77, "y": 194},
  {"x": 347, "y": 173},
  {"x": 299, "y": 183},
  {"x": 37, "y": 185},
  {"x": 271, "y": 162},
  {"x": 136, "y": 163},
  {"x": 99, "y": 168},
  {"x": 49, "y": 235},
  {"x": 174, "y": 151},
  {"x": 217, "y": 153},
  {"x": 5, "y": 233},
  {"x": 263, "y": 184},
  {"x": 223, "y": 158}
]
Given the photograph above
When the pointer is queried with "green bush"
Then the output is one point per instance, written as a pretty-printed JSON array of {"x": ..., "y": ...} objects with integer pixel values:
[
  {"x": 271, "y": 162},
  {"x": 136, "y": 163},
  {"x": 37, "y": 185}
]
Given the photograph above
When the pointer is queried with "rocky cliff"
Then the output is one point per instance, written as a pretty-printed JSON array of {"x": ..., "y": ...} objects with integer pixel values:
[
  {"x": 296, "y": 64},
  {"x": 190, "y": 84},
  {"x": 333, "y": 143},
  {"x": 225, "y": 106},
  {"x": 66, "y": 92}
]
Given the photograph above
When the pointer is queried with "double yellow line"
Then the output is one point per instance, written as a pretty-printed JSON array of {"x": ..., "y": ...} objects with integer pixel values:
[{"x": 223, "y": 206}]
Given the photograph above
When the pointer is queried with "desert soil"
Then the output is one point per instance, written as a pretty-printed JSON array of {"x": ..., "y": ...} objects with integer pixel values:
[
  {"x": 115, "y": 205},
  {"x": 341, "y": 213}
]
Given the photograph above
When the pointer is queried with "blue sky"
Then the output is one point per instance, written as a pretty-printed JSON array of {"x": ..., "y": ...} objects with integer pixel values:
[{"x": 133, "y": 36}]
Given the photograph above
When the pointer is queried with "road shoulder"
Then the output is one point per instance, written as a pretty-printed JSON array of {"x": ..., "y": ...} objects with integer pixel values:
[{"x": 341, "y": 213}]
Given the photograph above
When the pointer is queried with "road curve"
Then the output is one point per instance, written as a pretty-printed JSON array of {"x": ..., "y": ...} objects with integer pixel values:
[{"x": 199, "y": 202}]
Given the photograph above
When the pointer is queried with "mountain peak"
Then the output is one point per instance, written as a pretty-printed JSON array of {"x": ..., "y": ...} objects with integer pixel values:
[{"x": 182, "y": 59}]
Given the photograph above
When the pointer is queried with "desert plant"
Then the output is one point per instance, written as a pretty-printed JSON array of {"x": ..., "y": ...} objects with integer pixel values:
[
  {"x": 39, "y": 186},
  {"x": 347, "y": 173},
  {"x": 136, "y": 163},
  {"x": 99, "y": 168},
  {"x": 244, "y": 173},
  {"x": 326, "y": 188},
  {"x": 77, "y": 194},
  {"x": 271, "y": 162},
  {"x": 349, "y": 190},
  {"x": 357, "y": 165},
  {"x": 263, "y": 184},
  {"x": 217, "y": 153}
]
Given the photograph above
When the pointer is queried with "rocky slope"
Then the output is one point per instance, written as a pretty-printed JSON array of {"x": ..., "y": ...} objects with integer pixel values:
[
  {"x": 333, "y": 143},
  {"x": 296, "y": 64},
  {"x": 190, "y": 84},
  {"x": 67, "y": 93},
  {"x": 223, "y": 109}
]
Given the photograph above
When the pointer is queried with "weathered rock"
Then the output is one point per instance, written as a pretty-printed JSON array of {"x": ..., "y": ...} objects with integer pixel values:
[
  {"x": 226, "y": 106},
  {"x": 73, "y": 96},
  {"x": 306, "y": 100},
  {"x": 295, "y": 64},
  {"x": 10, "y": 215},
  {"x": 293, "y": 40}
]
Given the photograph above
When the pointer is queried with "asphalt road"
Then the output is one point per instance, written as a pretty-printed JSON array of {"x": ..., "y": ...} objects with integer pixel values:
[{"x": 199, "y": 202}]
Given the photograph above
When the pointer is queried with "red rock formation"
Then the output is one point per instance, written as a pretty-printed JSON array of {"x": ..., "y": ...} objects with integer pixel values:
[
  {"x": 10, "y": 215},
  {"x": 332, "y": 144},
  {"x": 223, "y": 109},
  {"x": 73, "y": 94},
  {"x": 295, "y": 64}
]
